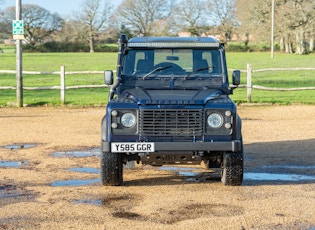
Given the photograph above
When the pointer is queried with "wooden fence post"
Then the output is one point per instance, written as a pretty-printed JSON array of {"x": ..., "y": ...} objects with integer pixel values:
[
  {"x": 249, "y": 82},
  {"x": 62, "y": 84}
]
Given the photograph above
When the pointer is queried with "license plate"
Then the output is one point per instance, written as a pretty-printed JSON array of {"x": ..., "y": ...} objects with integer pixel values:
[{"x": 132, "y": 147}]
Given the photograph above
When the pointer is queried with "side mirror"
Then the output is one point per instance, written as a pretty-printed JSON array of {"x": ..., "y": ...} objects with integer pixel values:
[
  {"x": 236, "y": 77},
  {"x": 109, "y": 77}
]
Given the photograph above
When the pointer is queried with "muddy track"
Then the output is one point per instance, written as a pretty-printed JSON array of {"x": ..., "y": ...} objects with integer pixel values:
[{"x": 49, "y": 167}]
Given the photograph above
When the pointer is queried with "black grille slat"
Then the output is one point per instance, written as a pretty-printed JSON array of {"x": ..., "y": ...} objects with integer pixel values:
[{"x": 171, "y": 122}]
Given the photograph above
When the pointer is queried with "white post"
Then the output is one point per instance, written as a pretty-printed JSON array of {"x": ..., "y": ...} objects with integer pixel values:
[
  {"x": 19, "y": 77},
  {"x": 62, "y": 84},
  {"x": 249, "y": 82},
  {"x": 272, "y": 27}
]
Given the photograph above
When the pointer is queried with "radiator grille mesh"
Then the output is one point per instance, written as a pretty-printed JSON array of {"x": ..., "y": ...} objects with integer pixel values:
[{"x": 171, "y": 122}]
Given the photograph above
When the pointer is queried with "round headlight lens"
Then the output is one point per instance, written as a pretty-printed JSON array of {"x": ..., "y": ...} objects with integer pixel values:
[
  {"x": 128, "y": 120},
  {"x": 215, "y": 120}
]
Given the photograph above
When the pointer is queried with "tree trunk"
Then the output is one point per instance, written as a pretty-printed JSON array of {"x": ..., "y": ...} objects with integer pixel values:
[
  {"x": 91, "y": 44},
  {"x": 288, "y": 44},
  {"x": 246, "y": 40},
  {"x": 282, "y": 44},
  {"x": 312, "y": 43},
  {"x": 91, "y": 40},
  {"x": 300, "y": 43}
]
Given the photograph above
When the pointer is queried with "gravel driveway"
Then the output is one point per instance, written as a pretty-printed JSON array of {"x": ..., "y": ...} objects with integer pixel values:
[{"x": 49, "y": 166}]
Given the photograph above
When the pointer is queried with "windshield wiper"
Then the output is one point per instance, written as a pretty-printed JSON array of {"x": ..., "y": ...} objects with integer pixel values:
[
  {"x": 156, "y": 69},
  {"x": 198, "y": 70}
]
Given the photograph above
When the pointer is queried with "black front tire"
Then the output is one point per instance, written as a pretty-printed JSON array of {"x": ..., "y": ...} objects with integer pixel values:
[
  {"x": 232, "y": 169},
  {"x": 111, "y": 169}
]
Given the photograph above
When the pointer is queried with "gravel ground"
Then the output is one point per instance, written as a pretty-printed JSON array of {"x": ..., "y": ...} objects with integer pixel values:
[{"x": 37, "y": 165}]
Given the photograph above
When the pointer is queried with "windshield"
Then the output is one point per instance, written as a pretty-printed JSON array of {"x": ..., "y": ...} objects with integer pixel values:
[{"x": 186, "y": 63}]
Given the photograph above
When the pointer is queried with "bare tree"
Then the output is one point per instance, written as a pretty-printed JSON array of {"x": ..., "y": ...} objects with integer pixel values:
[
  {"x": 142, "y": 16},
  {"x": 255, "y": 20},
  {"x": 294, "y": 22},
  {"x": 71, "y": 32},
  {"x": 4, "y": 25},
  {"x": 298, "y": 18},
  {"x": 252, "y": 20},
  {"x": 39, "y": 23},
  {"x": 4, "y": 32},
  {"x": 189, "y": 16},
  {"x": 94, "y": 16},
  {"x": 223, "y": 15}
]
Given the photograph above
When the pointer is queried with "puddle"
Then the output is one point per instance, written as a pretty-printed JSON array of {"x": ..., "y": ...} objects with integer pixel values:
[
  {"x": 189, "y": 174},
  {"x": 19, "y": 146},
  {"x": 196, "y": 175},
  {"x": 75, "y": 183},
  {"x": 6, "y": 196},
  {"x": 12, "y": 164},
  {"x": 85, "y": 170},
  {"x": 84, "y": 153},
  {"x": 282, "y": 173},
  {"x": 277, "y": 177},
  {"x": 94, "y": 202},
  {"x": 303, "y": 167},
  {"x": 11, "y": 194}
]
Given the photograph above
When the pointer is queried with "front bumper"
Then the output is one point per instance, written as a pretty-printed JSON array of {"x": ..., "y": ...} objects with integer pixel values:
[{"x": 227, "y": 146}]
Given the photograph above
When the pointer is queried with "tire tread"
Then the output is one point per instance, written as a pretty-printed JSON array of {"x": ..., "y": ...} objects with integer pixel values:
[{"x": 111, "y": 169}]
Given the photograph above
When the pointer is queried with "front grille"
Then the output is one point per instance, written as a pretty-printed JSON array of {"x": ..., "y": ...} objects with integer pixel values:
[{"x": 171, "y": 122}]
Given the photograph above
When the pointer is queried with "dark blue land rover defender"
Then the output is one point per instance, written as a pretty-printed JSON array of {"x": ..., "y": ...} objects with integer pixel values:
[{"x": 170, "y": 104}]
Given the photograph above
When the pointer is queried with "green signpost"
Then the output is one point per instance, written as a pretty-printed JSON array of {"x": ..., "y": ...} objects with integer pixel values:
[{"x": 18, "y": 29}]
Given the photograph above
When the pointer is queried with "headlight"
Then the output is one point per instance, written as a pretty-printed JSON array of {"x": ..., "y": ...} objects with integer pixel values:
[
  {"x": 215, "y": 120},
  {"x": 128, "y": 120}
]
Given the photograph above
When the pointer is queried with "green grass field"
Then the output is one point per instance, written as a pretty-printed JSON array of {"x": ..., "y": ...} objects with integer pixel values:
[
  {"x": 278, "y": 79},
  {"x": 49, "y": 62}
]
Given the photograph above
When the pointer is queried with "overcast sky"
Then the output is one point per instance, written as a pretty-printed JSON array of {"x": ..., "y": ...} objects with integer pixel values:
[{"x": 62, "y": 7}]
